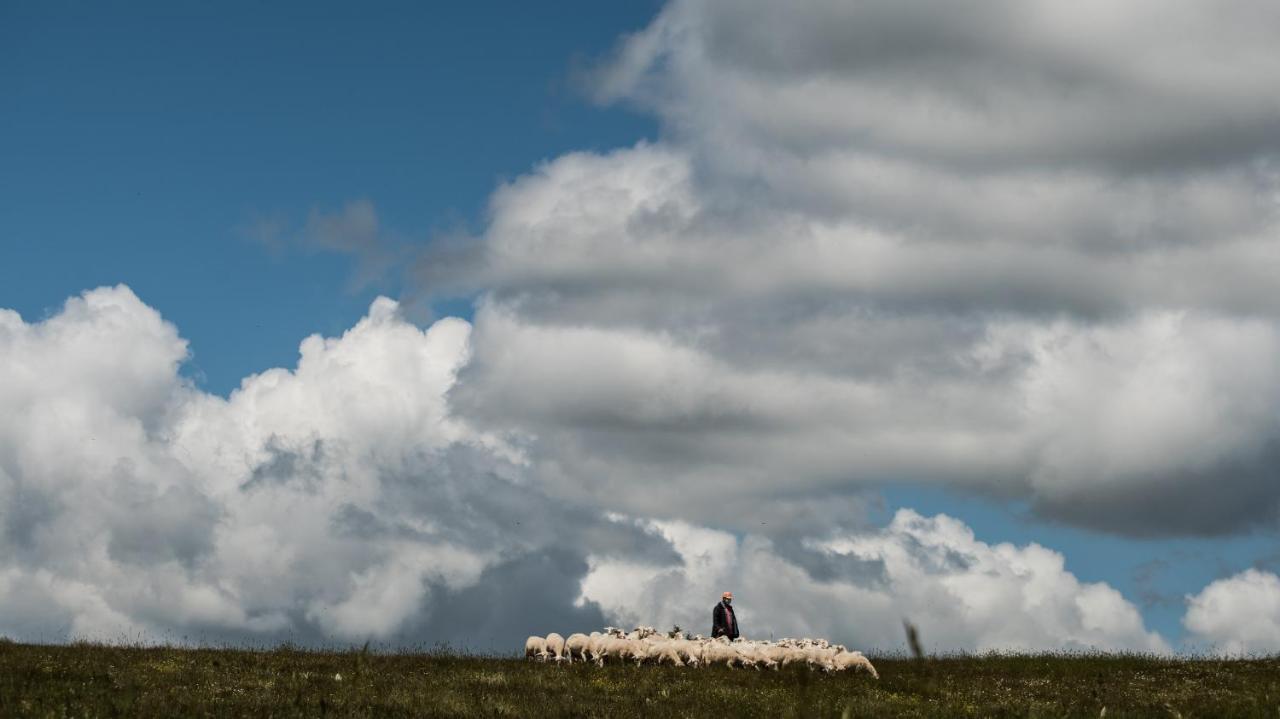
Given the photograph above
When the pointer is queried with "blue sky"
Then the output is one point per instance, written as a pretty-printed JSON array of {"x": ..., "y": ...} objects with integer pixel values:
[
  {"x": 142, "y": 141},
  {"x": 148, "y": 143}
]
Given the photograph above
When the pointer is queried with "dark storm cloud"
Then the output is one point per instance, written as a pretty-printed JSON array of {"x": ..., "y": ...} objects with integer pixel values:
[
  {"x": 154, "y": 527},
  {"x": 533, "y": 593},
  {"x": 827, "y": 567},
  {"x": 470, "y": 504},
  {"x": 1237, "y": 494},
  {"x": 283, "y": 464},
  {"x": 1125, "y": 87},
  {"x": 28, "y": 511}
]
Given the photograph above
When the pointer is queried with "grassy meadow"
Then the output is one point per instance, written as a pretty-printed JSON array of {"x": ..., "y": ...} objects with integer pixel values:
[{"x": 88, "y": 680}]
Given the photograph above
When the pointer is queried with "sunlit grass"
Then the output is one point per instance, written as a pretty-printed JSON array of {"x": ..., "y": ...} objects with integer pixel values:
[{"x": 104, "y": 680}]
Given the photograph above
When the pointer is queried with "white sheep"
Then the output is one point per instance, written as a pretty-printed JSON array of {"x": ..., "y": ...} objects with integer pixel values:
[
  {"x": 791, "y": 655},
  {"x": 809, "y": 654},
  {"x": 775, "y": 653},
  {"x": 601, "y": 644},
  {"x": 595, "y": 645},
  {"x": 575, "y": 647},
  {"x": 614, "y": 648},
  {"x": 718, "y": 652},
  {"x": 854, "y": 660},
  {"x": 555, "y": 646},
  {"x": 535, "y": 648},
  {"x": 662, "y": 650},
  {"x": 690, "y": 651},
  {"x": 761, "y": 654},
  {"x": 822, "y": 658}
]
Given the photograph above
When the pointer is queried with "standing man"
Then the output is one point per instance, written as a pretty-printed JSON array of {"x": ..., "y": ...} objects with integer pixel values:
[{"x": 723, "y": 622}]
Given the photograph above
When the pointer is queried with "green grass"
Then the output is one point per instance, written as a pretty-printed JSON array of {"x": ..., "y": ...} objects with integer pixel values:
[{"x": 85, "y": 680}]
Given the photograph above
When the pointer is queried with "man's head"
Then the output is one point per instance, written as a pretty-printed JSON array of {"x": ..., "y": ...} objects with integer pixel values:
[{"x": 727, "y": 597}]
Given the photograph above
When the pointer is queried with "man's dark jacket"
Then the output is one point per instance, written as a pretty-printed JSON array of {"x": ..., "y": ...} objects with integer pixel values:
[{"x": 720, "y": 625}]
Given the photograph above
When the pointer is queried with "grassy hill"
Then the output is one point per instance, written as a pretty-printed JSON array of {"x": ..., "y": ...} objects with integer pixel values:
[{"x": 104, "y": 681}]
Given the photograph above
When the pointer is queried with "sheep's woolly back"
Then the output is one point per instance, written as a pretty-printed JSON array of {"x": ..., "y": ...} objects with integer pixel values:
[
  {"x": 855, "y": 660},
  {"x": 555, "y": 646},
  {"x": 535, "y": 647},
  {"x": 575, "y": 647}
]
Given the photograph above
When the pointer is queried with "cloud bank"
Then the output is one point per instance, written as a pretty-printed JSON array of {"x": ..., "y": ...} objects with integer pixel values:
[
  {"x": 1010, "y": 249},
  {"x": 343, "y": 500}
]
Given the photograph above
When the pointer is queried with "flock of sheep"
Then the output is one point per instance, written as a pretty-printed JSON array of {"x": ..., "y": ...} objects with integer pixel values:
[{"x": 647, "y": 645}]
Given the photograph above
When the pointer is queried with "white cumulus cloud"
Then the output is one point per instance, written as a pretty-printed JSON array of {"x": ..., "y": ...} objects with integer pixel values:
[
  {"x": 1239, "y": 614},
  {"x": 336, "y": 500},
  {"x": 962, "y": 593}
]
